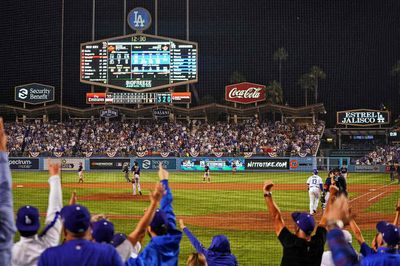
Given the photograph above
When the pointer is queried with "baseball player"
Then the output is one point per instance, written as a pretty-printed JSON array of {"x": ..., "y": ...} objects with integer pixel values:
[
  {"x": 325, "y": 193},
  {"x": 125, "y": 169},
  {"x": 340, "y": 182},
  {"x": 80, "y": 173},
  {"x": 234, "y": 167},
  {"x": 136, "y": 178},
  {"x": 314, "y": 183},
  {"x": 207, "y": 174},
  {"x": 344, "y": 172},
  {"x": 398, "y": 173},
  {"x": 392, "y": 169}
]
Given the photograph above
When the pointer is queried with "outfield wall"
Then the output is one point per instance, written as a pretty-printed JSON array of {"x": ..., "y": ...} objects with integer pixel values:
[{"x": 263, "y": 164}]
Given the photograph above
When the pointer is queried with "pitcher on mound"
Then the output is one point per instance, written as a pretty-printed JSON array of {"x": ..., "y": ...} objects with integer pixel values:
[{"x": 136, "y": 178}]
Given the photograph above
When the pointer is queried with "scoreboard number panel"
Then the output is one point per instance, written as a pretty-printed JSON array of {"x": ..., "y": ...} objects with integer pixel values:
[{"x": 139, "y": 62}]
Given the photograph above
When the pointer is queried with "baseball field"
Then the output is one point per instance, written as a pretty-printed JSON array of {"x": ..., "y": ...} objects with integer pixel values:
[{"x": 232, "y": 204}]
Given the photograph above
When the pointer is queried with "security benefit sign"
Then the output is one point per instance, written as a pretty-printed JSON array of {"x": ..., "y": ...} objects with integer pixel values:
[
  {"x": 153, "y": 163},
  {"x": 363, "y": 117},
  {"x": 245, "y": 93},
  {"x": 267, "y": 164},
  {"x": 34, "y": 93}
]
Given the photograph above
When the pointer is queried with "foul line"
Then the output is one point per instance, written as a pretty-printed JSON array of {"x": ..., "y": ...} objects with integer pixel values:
[
  {"x": 371, "y": 192},
  {"x": 376, "y": 196}
]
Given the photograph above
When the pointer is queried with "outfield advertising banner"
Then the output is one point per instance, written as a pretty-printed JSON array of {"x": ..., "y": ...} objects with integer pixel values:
[
  {"x": 108, "y": 164},
  {"x": 152, "y": 163},
  {"x": 367, "y": 168},
  {"x": 24, "y": 163},
  {"x": 67, "y": 164},
  {"x": 267, "y": 164},
  {"x": 215, "y": 164}
]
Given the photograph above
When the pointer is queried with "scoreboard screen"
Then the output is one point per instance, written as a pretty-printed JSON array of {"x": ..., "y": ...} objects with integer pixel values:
[{"x": 139, "y": 62}]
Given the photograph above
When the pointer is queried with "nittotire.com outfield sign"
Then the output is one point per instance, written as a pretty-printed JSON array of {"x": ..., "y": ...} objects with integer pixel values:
[
  {"x": 362, "y": 117},
  {"x": 267, "y": 164}
]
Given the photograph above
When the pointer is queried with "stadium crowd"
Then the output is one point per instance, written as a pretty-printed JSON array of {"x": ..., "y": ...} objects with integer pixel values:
[
  {"x": 381, "y": 155},
  {"x": 92, "y": 240},
  {"x": 78, "y": 138}
]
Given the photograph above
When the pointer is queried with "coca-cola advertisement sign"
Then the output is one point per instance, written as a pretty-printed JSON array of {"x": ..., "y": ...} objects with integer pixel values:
[{"x": 245, "y": 93}]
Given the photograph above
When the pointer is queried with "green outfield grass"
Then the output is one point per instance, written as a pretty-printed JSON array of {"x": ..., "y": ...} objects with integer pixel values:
[
  {"x": 387, "y": 204},
  {"x": 195, "y": 177},
  {"x": 250, "y": 247}
]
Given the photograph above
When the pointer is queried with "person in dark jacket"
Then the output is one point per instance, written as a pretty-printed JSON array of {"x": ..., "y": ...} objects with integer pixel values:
[
  {"x": 163, "y": 248},
  {"x": 219, "y": 252},
  {"x": 340, "y": 182}
]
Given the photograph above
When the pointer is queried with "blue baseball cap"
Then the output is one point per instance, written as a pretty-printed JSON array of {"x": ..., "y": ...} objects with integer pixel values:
[
  {"x": 304, "y": 221},
  {"x": 103, "y": 231},
  {"x": 390, "y": 232},
  {"x": 118, "y": 239},
  {"x": 76, "y": 218},
  {"x": 315, "y": 171},
  {"x": 28, "y": 219},
  {"x": 159, "y": 220}
]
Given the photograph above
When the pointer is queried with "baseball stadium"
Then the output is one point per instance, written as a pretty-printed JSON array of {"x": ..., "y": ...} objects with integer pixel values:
[{"x": 194, "y": 133}]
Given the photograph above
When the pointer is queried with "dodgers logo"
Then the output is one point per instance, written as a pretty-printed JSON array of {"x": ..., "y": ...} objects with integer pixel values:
[{"x": 139, "y": 19}]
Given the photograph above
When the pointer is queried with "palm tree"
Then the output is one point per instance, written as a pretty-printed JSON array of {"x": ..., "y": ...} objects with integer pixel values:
[
  {"x": 307, "y": 83},
  {"x": 280, "y": 55},
  {"x": 316, "y": 74},
  {"x": 396, "y": 71},
  {"x": 237, "y": 77},
  {"x": 274, "y": 93}
]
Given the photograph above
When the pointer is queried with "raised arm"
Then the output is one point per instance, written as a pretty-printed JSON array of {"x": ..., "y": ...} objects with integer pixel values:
[
  {"x": 333, "y": 190},
  {"x": 51, "y": 234},
  {"x": 7, "y": 226},
  {"x": 144, "y": 222},
  {"x": 273, "y": 209},
  {"x": 195, "y": 242},
  {"x": 365, "y": 250},
  {"x": 396, "y": 218},
  {"x": 357, "y": 232},
  {"x": 166, "y": 201}
]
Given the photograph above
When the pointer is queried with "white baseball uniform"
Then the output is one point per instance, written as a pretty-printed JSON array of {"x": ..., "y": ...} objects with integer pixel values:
[
  {"x": 314, "y": 183},
  {"x": 28, "y": 249}
]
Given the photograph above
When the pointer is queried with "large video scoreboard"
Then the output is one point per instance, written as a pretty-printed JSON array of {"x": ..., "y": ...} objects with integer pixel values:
[{"x": 139, "y": 62}]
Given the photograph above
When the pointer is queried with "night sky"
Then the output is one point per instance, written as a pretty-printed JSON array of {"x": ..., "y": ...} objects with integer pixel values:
[{"x": 355, "y": 42}]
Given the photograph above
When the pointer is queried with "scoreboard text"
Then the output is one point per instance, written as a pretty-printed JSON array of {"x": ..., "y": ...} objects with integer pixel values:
[{"x": 139, "y": 62}]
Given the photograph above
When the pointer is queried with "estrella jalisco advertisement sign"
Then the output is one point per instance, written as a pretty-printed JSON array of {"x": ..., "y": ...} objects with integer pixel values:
[{"x": 362, "y": 117}]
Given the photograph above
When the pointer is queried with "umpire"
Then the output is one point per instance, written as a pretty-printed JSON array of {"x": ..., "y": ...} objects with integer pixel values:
[
  {"x": 340, "y": 182},
  {"x": 125, "y": 169}
]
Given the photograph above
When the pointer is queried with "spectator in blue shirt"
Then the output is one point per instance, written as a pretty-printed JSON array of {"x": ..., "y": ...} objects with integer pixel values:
[
  {"x": 219, "y": 252},
  {"x": 342, "y": 253},
  {"x": 163, "y": 248},
  {"x": 77, "y": 249},
  {"x": 7, "y": 226},
  {"x": 378, "y": 244}
]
